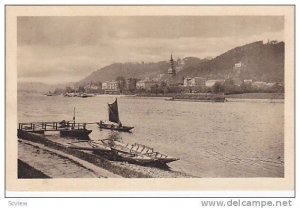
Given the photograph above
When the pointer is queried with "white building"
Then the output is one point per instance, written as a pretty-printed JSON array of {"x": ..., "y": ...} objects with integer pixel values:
[
  {"x": 111, "y": 85},
  {"x": 260, "y": 84},
  {"x": 104, "y": 85},
  {"x": 187, "y": 82},
  {"x": 248, "y": 81},
  {"x": 145, "y": 84},
  {"x": 198, "y": 81},
  {"x": 210, "y": 83}
]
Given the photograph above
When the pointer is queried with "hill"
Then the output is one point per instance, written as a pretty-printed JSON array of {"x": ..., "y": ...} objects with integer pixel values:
[
  {"x": 263, "y": 62},
  {"x": 127, "y": 70},
  {"x": 36, "y": 87}
]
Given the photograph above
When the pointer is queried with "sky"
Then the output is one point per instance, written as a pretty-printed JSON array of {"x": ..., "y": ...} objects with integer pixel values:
[{"x": 56, "y": 50}]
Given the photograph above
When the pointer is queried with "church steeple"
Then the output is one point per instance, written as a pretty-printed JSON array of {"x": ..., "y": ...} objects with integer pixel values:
[{"x": 172, "y": 70}]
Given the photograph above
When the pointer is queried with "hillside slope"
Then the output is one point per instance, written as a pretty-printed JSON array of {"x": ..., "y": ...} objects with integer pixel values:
[{"x": 263, "y": 62}]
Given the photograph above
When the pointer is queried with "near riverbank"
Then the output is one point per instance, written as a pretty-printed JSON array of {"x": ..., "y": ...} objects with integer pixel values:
[{"x": 51, "y": 156}]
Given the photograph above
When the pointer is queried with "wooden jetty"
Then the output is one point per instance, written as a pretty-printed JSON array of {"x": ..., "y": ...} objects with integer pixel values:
[{"x": 66, "y": 129}]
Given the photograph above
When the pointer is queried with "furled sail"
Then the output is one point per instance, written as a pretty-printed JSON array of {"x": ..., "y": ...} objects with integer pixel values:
[{"x": 113, "y": 112}]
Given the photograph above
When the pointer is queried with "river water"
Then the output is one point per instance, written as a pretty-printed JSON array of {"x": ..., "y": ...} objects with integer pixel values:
[{"x": 231, "y": 139}]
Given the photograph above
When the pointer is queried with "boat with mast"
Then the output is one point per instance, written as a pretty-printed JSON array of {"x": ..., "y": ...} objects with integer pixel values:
[
  {"x": 73, "y": 129},
  {"x": 113, "y": 114}
]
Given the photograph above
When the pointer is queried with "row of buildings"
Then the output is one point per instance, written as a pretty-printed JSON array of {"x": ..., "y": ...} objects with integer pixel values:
[
  {"x": 132, "y": 84},
  {"x": 202, "y": 82},
  {"x": 135, "y": 84},
  {"x": 128, "y": 85}
]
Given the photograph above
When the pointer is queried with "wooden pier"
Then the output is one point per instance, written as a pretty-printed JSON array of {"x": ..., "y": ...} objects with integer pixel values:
[
  {"x": 66, "y": 128},
  {"x": 40, "y": 127}
]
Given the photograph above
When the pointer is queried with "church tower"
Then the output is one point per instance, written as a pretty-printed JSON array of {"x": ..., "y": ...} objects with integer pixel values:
[{"x": 172, "y": 70}]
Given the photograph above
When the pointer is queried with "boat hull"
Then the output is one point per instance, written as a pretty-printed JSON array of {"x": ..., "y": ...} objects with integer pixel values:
[
  {"x": 77, "y": 133},
  {"x": 115, "y": 128},
  {"x": 139, "y": 154}
]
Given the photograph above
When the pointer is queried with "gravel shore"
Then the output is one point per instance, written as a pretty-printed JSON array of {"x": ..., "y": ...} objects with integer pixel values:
[{"x": 55, "y": 166}]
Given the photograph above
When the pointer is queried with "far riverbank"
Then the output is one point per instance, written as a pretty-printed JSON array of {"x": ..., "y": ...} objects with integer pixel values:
[
  {"x": 257, "y": 96},
  {"x": 235, "y": 96}
]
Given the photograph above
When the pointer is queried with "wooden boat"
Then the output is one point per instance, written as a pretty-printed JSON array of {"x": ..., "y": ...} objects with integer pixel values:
[
  {"x": 85, "y": 95},
  {"x": 114, "y": 127},
  {"x": 90, "y": 146},
  {"x": 138, "y": 153},
  {"x": 113, "y": 114},
  {"x": 145, "y": 150},
  {"x": 115, "y": 150},
  {"x": 50, "y": 94},
  {"x": 78, "y": 133},
  {"x": 73, "y": 129}
]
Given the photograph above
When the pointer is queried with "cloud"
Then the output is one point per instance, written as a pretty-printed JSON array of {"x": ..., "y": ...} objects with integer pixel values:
[
  {"x": 73, "y": 62},
  {"x": 88, "y": 30},
  {"x": 65, "y": 49}
]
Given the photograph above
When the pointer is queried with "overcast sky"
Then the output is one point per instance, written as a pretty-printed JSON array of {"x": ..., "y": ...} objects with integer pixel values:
[{"x": 64, "y": 49}]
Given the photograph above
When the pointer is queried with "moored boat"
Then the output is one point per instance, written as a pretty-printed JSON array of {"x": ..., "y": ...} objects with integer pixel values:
[
  {"x": 119, "y": 151},
  {"x": 139, "y": 153},
  {"x": 78, "y": 133},
  {"x": 73, "y": 129},
  {"x": 114, "y": 127}
]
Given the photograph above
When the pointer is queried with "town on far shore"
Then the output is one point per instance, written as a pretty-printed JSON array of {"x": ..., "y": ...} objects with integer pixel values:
[{"x": 170, "y": 84}]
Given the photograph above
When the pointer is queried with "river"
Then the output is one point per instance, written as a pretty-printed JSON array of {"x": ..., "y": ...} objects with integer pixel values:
[{"x": 231, "y": 139}]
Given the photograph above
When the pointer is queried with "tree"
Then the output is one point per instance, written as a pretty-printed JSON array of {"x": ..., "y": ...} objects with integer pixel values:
[
  {"x": 163, "y": 87},
  {"x": 154, "y": 89},
  {"x": 81, "y": 88},
  {"x": 229, "y": 86},
  {"x": 68, "y": 89},
  {"x": 58, "y": 91},
  {"x": 246, "y": 87},
  {"x": 218, "y": 87}
]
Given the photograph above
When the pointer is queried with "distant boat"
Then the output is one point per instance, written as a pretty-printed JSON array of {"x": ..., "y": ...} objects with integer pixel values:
[
  {"x": 50, "y": 94},
  {"x": 72, "y": 94},
  {"x": 86, "y": 95},
  {"x": 113, "y": 114}
]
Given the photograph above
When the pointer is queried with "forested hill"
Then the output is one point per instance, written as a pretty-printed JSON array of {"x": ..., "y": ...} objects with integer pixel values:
[
  {"x": 127, "y": 70},
  {"x": 263, "y": 62}
]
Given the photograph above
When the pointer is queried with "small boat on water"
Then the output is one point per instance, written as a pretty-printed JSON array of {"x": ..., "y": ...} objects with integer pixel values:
[
  {"x": 113, "y": 114},
  {"x": 78, "y": 133},
  {"x": 86, "y": 95},
  {"x": 114, "y": 127},
  {"x": 50, "y": 94}
]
